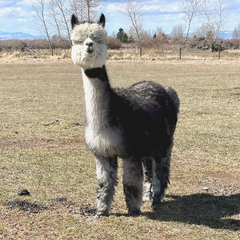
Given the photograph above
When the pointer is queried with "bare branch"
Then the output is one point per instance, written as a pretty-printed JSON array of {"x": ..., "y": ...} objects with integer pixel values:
[
  {"x": 78, "y": 7},
  {"x": 132, "y": 10},
  {"x": 91, "y": 8},
  {"x": 236, "y": 32},
  {"x": 214, "y": 14},
  {"x": 39, "y": 8},
  {"x": 60, "y": 6},
  {"x": 54, "y": 15},
  {"x": 190, "y": 9}
]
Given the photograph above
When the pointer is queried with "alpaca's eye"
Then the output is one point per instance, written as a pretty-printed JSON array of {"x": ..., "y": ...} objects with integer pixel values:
[{"x": 77, "y": 42}]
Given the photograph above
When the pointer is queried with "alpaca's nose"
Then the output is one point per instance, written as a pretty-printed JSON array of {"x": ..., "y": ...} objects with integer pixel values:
[
  {"x": 89, "y": 47},
  {"x": 89, "y": 44}
]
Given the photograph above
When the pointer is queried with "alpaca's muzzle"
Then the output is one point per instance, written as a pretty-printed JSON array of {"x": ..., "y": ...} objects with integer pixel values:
[{"x": 89, "y": 47}]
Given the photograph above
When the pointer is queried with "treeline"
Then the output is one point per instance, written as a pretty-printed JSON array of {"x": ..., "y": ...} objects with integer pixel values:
[
  {"x": 161, "y": 42},
  {"x": 28, "y": 45}
]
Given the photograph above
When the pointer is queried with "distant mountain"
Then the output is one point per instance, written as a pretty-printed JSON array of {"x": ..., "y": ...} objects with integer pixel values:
[
  {"x": 21, "y": 35},
  {"x": 18, "y": 35}
]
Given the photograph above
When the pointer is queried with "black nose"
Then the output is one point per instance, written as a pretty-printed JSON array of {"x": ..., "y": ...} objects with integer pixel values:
[
  {"x": 89, "y": 47},
  {"x": 89, "y": 44}
]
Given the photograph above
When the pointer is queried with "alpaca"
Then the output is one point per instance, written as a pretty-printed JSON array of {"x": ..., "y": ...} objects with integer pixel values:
[{"x": 136, "y": 124}]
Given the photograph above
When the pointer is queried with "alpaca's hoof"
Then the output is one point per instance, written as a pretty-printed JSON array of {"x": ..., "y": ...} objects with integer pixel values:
[
  {"x": 156, "y": 206},
  {"x": 100, "y": 215},
  {"x": 134, "y": 212},
  {"x": 147, "y": 196}
]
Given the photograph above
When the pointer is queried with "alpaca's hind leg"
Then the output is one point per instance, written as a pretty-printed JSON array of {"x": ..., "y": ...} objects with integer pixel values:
[
  {"x": 107, "y": 180},
  {"x": 161, "y": 168},
  {"x": 147, "y": 167},
  {"x": 132, "y": 184}
]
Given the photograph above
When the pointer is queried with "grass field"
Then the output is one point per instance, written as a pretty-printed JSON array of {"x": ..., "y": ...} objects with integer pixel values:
[{"x": 42, "y": 150}]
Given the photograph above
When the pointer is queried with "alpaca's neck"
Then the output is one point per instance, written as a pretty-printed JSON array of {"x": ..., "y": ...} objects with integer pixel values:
[
  {"x": 97, "y": 96},
  {"x": 102, "y": 129}
]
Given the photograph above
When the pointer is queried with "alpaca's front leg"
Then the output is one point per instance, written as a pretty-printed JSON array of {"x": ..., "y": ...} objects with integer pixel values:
[
  {"x": 107, "y": 180},
  {"x": 132, "y": 184}
]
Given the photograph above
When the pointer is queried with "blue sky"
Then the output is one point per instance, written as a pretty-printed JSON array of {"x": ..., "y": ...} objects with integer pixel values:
[{"x": 18, "y": 16}]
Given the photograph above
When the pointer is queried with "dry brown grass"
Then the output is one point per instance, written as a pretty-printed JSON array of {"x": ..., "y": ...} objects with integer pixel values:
[
  {"x": 171, "y": 54},
  {"x": 124, "y": 54},
  {"x": 34, "y": 55},
  {"x": 42, "y": 150}
]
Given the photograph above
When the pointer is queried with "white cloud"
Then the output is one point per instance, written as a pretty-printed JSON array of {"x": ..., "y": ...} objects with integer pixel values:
[
  {"x": 22, "y": 20},
  {"x": 181, "y": 15},
  {"x": 175, "y": 8},
  {"x": 12, "y": 12},
  {"x": 22, "y": 14},
  {"x": 168, "y": 16},
  {"x": 162, "y": 8},
  {"x": 24, "y": 3},
  {"x": 112, "y": 8},
  {"x": 6, "y": 11},
  {"x": 151, "y": 8}
]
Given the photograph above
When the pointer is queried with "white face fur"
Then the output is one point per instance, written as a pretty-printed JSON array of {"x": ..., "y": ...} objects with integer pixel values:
[{"x": 89, "y": 48}]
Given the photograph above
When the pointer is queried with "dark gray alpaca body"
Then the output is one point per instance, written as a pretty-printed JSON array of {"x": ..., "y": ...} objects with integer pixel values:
[{"x": 136, "y": 124}]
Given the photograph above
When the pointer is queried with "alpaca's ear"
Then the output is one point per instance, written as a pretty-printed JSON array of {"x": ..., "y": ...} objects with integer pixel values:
[
  {"x": 74, "y": 21},
  {"x": 102, "y": 20}
]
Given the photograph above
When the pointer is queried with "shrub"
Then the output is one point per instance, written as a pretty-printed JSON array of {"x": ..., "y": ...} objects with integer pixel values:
[{"x": 113, "y": 43}]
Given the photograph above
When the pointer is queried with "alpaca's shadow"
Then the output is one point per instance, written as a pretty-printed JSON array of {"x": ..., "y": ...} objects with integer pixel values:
[{"x": 201, "y": 209}]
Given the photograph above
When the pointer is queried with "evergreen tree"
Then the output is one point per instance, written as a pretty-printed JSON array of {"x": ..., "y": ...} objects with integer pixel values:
[{"x": 122, "y": 36}]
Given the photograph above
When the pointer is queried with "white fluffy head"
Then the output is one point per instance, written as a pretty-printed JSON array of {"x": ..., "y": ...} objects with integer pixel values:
[{"x": 89, "y": 41}]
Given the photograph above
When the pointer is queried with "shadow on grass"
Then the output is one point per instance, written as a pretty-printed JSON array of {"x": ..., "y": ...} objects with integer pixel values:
[{"x": 200, "y": 209}]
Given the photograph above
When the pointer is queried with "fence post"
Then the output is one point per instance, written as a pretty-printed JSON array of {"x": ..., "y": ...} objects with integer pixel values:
[
  {"x": 180, "y": 53},
  {"x": 140, "y": 51}
]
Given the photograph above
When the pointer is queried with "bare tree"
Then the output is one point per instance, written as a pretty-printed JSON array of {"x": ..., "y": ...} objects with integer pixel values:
[
  {"x": 85, "y": 10},
  {"x": 78, "y": 7},
  {"x": 190, "y": 9},
  {"x": 159, "y": 31},
  {"x": 214, "y": 13},
  {"x": 60, "y": 6},
  {"x": 178, "y": 34},
  {"x": 54, "y": 15},
  {"x": 39, "y": 7},
  {"x": 91, "y": 8},
  {"x": 178, "y": 31},
  {"x": 132, "y": 11},
  {"x": 236, "y": 32}
]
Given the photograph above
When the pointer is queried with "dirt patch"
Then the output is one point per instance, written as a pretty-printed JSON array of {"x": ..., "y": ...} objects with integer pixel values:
[{"x": 24, "y": 205}]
